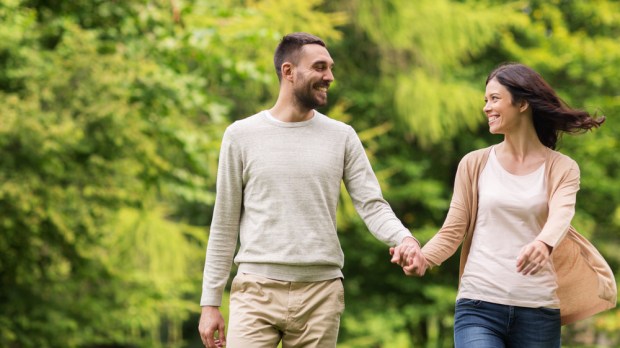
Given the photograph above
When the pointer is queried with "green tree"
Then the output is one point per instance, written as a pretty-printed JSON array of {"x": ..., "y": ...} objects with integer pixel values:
[
  {"x": 111, "y": 114},
  {"x": 84, "y": 141},
  {"x": 419, "y": 68}
]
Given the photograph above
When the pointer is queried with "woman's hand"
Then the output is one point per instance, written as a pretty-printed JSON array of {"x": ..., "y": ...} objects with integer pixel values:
[
  {"x": 409, "y": 256},
  {"x": 533, "y": 257}
]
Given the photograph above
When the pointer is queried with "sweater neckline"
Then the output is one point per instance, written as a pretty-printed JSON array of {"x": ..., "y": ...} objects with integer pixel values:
[{"x": 266, "y": 115}]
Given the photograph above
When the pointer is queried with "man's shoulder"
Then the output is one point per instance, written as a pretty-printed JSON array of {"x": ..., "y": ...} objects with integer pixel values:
[
  {"x": 334, "y": 124},
  {"x": 245, "y": 124},
  {"x": 247, "y": 121}
]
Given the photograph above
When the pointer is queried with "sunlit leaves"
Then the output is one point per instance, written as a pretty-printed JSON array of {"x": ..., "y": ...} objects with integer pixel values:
[{"x": 425, "y": 47}]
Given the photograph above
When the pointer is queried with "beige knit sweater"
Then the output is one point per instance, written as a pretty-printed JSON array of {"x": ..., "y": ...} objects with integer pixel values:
[
  {"x": 278, "y": 188},
  {"x": 586, "y": 284}
]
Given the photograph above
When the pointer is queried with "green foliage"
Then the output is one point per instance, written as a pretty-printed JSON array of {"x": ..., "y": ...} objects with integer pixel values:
[
  {"x": 424, "y": 73},
  {"x": 424, "y": 52},
  {"x": 111, "y": 114},
  {"x": 84, "y": 134}
]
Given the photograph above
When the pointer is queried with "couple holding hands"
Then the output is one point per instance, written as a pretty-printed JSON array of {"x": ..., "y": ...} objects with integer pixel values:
[{"x": 524, "y": 270}]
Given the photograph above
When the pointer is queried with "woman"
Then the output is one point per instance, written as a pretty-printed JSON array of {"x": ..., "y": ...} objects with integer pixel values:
[{"x": 524, "y": 270}]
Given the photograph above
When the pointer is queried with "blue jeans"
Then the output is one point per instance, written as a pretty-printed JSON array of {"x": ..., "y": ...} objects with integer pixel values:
[{"x": 481, "y": 324}]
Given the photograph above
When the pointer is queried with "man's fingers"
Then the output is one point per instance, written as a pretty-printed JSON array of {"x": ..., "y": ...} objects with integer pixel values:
[
  {"x": 222, "y": 335},
  {"x": 207, "y": 337},
  {"x": 210, "y": 340},
  {"x": 406, "y": 257},
  {"x": 204, "y": 337},
  {"x": 405, "y": 253},
  {"x": 396, "y": 255},
  {"x": 210, "y": 326}
]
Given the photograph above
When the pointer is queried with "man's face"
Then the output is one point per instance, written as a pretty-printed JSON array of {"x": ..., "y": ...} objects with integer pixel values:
[{"x": 313, "y": 75}]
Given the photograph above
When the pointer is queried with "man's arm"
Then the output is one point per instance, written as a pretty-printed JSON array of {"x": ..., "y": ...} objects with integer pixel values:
[
  {"x": 223, "y": 235},
  {"x": 365, "y": 192},
  {"x": 224, "y": 229}
]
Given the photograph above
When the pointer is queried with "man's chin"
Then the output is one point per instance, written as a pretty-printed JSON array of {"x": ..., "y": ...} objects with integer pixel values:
[
  {"x": 320, "y": 102},
  {"x": 312, "y": 103}
]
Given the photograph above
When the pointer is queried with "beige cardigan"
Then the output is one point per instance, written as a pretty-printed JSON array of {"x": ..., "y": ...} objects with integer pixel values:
[{"x": 586, "y": 284}]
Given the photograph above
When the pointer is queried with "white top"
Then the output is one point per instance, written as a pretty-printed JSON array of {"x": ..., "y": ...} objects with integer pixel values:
[
  {"x": 511, "y": 213},
  {"x": 278, "y": 187}
]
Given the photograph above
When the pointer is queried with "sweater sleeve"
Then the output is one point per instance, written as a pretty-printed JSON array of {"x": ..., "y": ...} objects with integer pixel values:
[
  {"x": 365, "y": 192},
  {"x": 561, "y": 206},
  {"x": 447, "y": 240},
  {"x": 224, "y": 229}
]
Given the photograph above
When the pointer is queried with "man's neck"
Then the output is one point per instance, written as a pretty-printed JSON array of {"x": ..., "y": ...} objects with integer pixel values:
[{"x": 287, "y": 111}]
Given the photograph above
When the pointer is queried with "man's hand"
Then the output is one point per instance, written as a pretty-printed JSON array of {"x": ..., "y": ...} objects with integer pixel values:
[
  {"x": 533, "y": 257},
  {"x": 409, "y": 257},
  {"x": 211, "y": 321}
]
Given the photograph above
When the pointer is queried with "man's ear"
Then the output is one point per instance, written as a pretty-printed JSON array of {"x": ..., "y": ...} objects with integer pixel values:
[
  {"x": 287, "y": 71},
  {"x": 523, "y": 105}
]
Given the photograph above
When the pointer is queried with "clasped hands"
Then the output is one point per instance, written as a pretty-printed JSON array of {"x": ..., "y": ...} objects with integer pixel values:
[
  {"x": 409, "y": 256},
  {"x": 532, "y": 257}
]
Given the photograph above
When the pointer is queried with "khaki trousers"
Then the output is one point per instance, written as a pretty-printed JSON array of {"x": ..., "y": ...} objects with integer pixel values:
[{"x": 264, "y": 312}]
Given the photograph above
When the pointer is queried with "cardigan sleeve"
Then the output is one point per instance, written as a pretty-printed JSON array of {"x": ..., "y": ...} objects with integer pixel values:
[
  {"x": 454, "y": 229},
  {"x": 561, "y": 205}
]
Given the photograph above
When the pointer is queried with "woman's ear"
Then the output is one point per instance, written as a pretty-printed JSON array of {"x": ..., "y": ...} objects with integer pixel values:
[{"x": 523, "y": 105}]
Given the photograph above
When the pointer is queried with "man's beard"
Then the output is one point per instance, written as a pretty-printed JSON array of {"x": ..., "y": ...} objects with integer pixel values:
[{"x": 307, "y": 99}]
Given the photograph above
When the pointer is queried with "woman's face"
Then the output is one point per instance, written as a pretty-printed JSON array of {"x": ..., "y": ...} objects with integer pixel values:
[{"x": 502, "y": 115}]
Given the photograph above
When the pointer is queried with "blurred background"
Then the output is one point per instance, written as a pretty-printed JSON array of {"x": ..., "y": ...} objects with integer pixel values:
[{"x": 111, "y": 115}]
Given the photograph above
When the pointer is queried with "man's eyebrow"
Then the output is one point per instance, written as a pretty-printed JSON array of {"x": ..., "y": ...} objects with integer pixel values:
[{"x": 323, "y": 61}]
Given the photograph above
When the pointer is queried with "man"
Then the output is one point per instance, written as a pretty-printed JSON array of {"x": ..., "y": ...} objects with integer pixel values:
[{"x": 278, "y": 186}]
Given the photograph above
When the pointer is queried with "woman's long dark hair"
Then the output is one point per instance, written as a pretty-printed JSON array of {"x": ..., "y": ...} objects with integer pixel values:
[{"x": 550, "y": 113}]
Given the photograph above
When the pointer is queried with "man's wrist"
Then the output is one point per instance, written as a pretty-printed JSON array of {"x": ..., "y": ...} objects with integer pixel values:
[
  {"x": 210, "y": 308},
  {"x": 412, "y": 238}
]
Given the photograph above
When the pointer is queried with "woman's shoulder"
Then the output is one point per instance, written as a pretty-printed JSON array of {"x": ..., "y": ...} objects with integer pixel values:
[
  {"x": 476, "y": 156},
  {"x": 557, "y": 158},
  {"x": 473, "y": 161}
]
